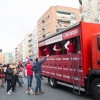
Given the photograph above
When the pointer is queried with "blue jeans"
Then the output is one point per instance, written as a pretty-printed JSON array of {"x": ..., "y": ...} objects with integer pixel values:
[
  {"x": 38, "y": 83},
  {"x": 30, "y": 78},
  {"x": 21, "y": 79}
]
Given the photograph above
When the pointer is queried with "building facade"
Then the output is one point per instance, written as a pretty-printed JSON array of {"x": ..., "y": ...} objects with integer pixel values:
[
  {"x": 30, "y": 44},
  {"x": 9, "y": 57},
  {"x": 13, "y": 55},
  {"x": 90, "y": 11},
  {"x": 2, "y": 58},
  {"x": 35, "y": 42},
  {"x": 6, "y": 58},
  {"x": 16, "y": 54},
  {"x": 56, "y": 19}
]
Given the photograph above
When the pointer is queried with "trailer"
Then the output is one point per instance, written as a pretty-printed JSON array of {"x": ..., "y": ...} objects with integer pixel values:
[{"x": 80, "y": 70}]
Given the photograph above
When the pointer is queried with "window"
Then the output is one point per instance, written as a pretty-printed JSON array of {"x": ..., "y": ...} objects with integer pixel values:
[
  {"x": 38, "y": 33},
  {"x": 61, "y": 23},
  {"x": 48, "y": 33},
  {"x": 47, "y": 17},
  {"x": 38, "y": 25},
  {"x": 0, "y": 50},
  {"x": 98, "y": 42},
  {"x": 73, "y": 17},
  {"x": 48, "y": 25}
]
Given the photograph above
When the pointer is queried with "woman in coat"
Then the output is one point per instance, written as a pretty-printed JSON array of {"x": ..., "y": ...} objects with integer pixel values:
[{"x": 9, "y": 75}]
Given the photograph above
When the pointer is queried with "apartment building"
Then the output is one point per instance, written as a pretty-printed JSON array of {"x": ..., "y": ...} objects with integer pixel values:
[
  {"x": 90, "y": 11},
  {"x": 9, "y": 57},
  {"x": 56, "y": 19},
  {"x": 30, "y": 44},
  {"x": 35, "y": 42},
  {"x": 13, "y": 55},
  {"x": 19, "y": 52},
  {"x": 23, "y": 51},
  {"x": 2, "y": 58},
  {"x": 6, "y": 58},
  {"x": 16, "y": 54}
]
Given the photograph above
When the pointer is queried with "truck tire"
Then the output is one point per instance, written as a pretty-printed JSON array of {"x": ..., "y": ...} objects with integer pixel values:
[
  {"x": 53, "y": 82},
  {"x": 95, "y": 88}
]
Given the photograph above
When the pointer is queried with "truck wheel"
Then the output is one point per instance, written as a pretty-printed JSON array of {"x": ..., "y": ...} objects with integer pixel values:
[
  {"x": 95, "y": 88},
  {"x": 53, "y": 82}
]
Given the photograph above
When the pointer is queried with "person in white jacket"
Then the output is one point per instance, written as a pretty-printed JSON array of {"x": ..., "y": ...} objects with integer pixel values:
[
  {"x": 57, "y": 48},
  {"x": 70, "y": 46}
]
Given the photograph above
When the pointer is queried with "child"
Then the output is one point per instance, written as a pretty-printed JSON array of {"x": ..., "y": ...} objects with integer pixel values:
[{"x": 21, "y": 77}]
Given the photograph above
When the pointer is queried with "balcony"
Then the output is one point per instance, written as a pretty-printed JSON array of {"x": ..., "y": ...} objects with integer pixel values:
[
  {"x": 43, "y": 21},
  {"x": 61, "y": 17},
  {"x": 59, "y": 29},
  {"x": 43, "y": 35},
  {"x": 30, "y": 43},
  {"x": 43, "y": 28},
  {"x": 30, "y": 53},
  {"x": 29, "y": 38},
  {"x": 80, "y": 1},
  {"x": 63, "y": 12},
  {"x": 64, "y": 20},
  {"x": 30, "y": 49}
]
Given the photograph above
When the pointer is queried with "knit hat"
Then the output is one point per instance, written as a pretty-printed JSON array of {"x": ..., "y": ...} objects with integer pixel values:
[{"x": 31, "y": 59}]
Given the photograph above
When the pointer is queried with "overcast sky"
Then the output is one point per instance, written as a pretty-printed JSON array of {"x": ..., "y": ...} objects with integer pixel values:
[{"x": 18, "y": 17}]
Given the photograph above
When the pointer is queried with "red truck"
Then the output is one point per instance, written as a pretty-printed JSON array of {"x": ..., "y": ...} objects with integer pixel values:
[{"x": 80, "y": 70}]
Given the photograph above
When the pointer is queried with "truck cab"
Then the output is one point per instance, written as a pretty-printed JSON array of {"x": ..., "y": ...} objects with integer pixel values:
[{"x": 96, "y": 51}]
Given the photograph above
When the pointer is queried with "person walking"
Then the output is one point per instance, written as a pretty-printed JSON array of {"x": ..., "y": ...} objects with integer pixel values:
[
  {"x": 37, "y": 71},
  {"x": 9, "y": 77},
  {"x": 14, "y": 78},
  {"x": 29, "y": 74}
]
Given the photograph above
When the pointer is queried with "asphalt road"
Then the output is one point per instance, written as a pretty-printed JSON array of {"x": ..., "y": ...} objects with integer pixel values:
[{"x": 60, "y": 93}]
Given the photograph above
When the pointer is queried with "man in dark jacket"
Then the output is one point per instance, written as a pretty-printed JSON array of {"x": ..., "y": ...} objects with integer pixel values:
[{"x": 37, "y": 71}]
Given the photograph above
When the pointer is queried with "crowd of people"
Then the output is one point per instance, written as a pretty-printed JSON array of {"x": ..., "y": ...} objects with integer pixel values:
[{"x": 13, "y": 74}]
